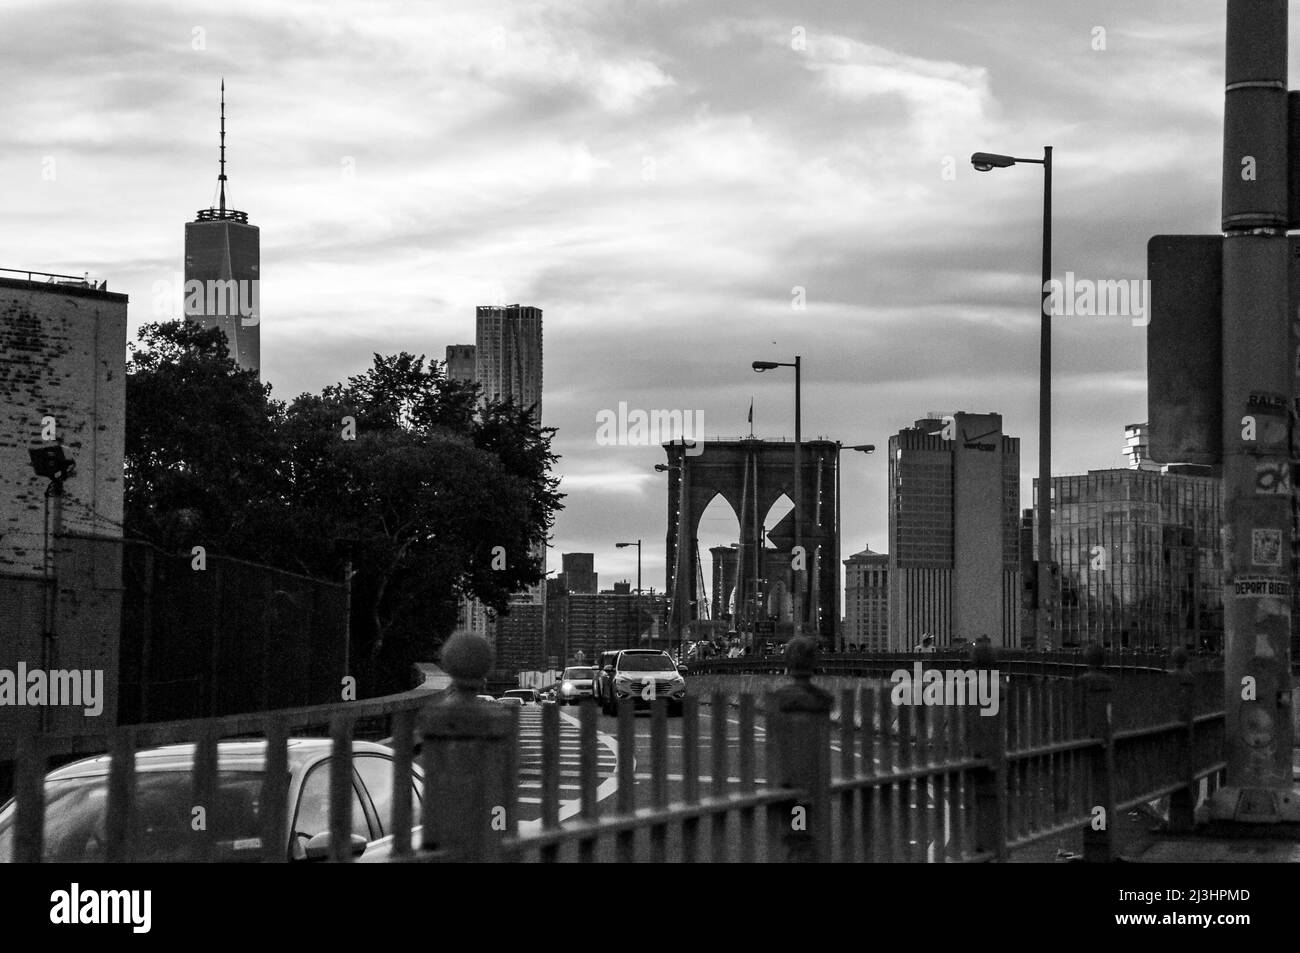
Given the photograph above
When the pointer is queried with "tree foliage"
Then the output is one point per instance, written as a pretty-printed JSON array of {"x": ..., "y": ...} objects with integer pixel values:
[{"x": 431, "y": 491}]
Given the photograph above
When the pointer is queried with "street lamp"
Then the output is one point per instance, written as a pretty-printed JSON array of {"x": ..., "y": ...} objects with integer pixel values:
[
  {"x": 49, "y": 462},
  {"x": 985, "y": 162},
  {"x": 800, "y": 575},
  {"x": 678, "y": 606},
  {"x": 637, "y": 544},
  {"x": 860, "y": 448}
]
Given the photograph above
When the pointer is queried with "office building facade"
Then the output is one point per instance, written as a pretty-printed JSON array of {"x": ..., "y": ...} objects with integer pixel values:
[
  {"x": 954, "y": 548},
  {"x": 461, "y": 362},
  {"x": 866, "y": 602},
  {"x": 1140, "y": 558},
  {"x": 508, "y": 354},
  {"x": 581, "y": 625}
]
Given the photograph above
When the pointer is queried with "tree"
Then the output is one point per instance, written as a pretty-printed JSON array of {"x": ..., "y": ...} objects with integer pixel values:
[
  {"x": 201, "y": 443},
  {"x": 436, "y": 492}
]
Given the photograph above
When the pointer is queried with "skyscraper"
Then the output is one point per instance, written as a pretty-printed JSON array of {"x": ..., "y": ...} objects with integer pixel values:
[
  {"x": 508, "y": 353},
  {"x": 507, "y": 356},
  {"x": 508, "y": 364},
  {"x": 460, "y": 362},
  {"x": 866, "y": 601},
  {"x": 222, "y": 263},
  {"x": 1140, "y": 554},
  {"x": 954, "y": 500}
]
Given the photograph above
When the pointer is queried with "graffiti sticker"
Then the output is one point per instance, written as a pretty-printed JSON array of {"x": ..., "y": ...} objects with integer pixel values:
[
  {"x": 1273, "y": 477},
  {"x": 1266, "y": 547}
]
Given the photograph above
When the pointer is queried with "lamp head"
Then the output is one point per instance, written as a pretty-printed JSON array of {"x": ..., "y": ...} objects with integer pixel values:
[
  {"x": 762, "y": 366},
  {"x": 50, "y": 462},
  {"x": 986, "y": 161}
]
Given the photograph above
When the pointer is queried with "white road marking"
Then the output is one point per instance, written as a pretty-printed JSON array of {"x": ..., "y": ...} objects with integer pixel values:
[{"x": 606, "y": 760}]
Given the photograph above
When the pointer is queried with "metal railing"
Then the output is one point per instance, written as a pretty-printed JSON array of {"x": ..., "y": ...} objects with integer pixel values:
[
  {"x": 1066, "y": 664},
  {"x": 47, "y": 277},
  {"x": 936, "y": 784}
]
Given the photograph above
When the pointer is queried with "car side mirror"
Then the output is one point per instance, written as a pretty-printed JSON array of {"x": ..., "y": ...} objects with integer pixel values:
[
  {"x": 318, "y": 847},
  {"x": 608, "y": 669},
  {"x": 682, "y": 669}
]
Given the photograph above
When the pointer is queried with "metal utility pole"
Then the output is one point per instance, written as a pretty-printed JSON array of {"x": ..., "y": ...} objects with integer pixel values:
[
  {"x": 1258, "y": 416},
  {"x": 801, "y": 575}
]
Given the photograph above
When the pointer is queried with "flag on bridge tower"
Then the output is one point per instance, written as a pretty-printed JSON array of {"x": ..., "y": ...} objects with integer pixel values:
[{"x": 751, "y": 416}]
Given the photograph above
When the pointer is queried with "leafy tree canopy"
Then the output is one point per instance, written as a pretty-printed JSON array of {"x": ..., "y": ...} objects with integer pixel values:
[{"x": 433, "y": 491}]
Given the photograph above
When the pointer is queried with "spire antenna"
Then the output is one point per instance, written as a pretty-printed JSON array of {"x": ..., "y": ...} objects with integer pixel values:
[{"x": 222, "y": 177}]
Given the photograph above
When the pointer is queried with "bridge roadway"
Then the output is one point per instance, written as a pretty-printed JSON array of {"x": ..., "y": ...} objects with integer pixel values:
[
  {"x": 1135, "y": 831},
  {"x": 643, "y": 792}
]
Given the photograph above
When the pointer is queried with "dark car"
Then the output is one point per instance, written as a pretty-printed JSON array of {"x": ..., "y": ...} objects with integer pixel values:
[{"x": 76, "y": 802}]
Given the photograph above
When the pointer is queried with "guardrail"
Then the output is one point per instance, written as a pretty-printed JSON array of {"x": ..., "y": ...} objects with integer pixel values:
[
  {"x": 876, "y": 664},
  {"x": 914, "y": 783}
]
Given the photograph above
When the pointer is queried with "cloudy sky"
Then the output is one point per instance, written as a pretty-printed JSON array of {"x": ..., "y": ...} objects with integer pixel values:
[{"x": 658, "y": 177}]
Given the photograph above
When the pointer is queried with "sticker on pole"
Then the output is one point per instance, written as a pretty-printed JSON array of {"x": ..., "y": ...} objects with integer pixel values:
[
  {"x": 1266, "y": 547},
  {"x": 1257, "y": 586}
]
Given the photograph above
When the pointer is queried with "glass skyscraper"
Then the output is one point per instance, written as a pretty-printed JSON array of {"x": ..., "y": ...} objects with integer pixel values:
[
  {"x": 222, "y": 265},
  {"x": 1140, "y": 558}
]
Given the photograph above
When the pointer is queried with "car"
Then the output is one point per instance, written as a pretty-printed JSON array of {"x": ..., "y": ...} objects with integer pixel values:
[
  {"x": 528, "y": 696},
  {"x": 627, "y": 673},
  {"x": 576, "y": 683},
  {"x": 76, "y": 800},
  {"x": 486, "y": 698},
  {"x": 511, "y": 701}
]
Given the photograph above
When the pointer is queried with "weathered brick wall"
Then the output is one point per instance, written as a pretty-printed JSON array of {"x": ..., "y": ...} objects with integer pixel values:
[{"x": 62, "y": 354}]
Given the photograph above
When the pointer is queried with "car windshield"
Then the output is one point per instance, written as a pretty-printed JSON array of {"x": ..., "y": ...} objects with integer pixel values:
[
  {"x": 75, "y": 811},
  {"x": 579, "y": 673},
  {"x": 646, "y": 663},
  {"x": 520, "y": 693}
]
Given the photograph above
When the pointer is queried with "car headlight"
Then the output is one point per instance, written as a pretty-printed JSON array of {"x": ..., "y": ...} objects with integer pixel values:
[
  {"x": 623, "y": 679},
  {"x": 566, "y": 687}
]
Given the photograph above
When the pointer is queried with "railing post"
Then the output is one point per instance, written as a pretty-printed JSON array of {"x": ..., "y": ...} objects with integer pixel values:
[
  {"x": 988, "y": 743},
  {"x": 1182, "y": 803},
  {"x": 469, "y": 790},
  {"x": 1099, "y": 835},
  {"x": 799, "y": 724}
]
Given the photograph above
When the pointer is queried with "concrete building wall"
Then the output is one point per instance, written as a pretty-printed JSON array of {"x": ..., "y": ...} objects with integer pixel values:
[
  {"x": 62, "y": 356},
  {"x": 978, "y": 520}
]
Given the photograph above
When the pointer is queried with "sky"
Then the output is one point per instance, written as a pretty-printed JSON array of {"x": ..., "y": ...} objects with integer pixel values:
[{"x": 668, "y": 181}]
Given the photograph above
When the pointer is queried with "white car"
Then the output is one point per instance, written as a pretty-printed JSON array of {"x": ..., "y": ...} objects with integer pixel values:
[
  {"x": 577, "y": 683},
  {"x": 526, "y": 696},
  {"x": 76, "y": 802}
]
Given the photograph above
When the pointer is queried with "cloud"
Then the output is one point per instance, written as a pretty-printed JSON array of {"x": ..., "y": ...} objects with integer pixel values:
[{"x": 659, "y": 178}]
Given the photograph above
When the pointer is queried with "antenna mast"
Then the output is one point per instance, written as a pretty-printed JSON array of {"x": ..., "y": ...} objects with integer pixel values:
[{"x": 222, "y": 177}]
